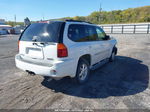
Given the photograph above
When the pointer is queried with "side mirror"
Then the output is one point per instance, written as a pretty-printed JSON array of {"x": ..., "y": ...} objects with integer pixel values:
[{"x": 107, "y": 37}]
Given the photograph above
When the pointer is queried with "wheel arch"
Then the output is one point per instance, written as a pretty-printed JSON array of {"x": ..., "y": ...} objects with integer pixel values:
[
  {"x": 86, "y": 57},
  {"x": 115, "y": 50}
]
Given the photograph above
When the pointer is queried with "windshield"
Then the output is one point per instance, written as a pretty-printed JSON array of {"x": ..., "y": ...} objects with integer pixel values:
[{"x": 42, "y": 32}]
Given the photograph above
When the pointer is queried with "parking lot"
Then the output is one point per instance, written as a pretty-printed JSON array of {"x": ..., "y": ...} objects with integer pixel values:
[{"x": 123, "y": 84}]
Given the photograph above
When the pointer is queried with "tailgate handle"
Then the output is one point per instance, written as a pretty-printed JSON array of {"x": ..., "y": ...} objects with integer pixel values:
[{"x": 41, "y": 43}]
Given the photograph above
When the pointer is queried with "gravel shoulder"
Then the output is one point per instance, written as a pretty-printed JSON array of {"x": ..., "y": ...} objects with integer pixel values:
[{"x": 123, "y": 84}]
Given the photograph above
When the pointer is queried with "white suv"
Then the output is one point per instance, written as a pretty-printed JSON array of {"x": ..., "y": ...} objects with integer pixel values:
[{"x": 57, "y": 49}]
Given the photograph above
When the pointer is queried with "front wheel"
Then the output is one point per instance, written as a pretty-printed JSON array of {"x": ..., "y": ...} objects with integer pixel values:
[
  {"x": 83, "y": 71},
  {"x": 112, "y": 57}
]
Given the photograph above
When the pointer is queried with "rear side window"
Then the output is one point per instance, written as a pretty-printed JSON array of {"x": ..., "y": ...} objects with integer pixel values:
[
  {"x": 76, "y": 33},
  {"x": 82, "y": 33},
  {"x": 43, "y": 32}
]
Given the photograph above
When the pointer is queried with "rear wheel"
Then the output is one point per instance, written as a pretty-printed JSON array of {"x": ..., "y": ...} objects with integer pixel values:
[
  {"x": 46, "y": 78},
  {"x": 83, "y": 71}
]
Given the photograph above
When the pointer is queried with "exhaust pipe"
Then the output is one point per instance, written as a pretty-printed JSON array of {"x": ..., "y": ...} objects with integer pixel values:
[{"x": 30, "y": 72}]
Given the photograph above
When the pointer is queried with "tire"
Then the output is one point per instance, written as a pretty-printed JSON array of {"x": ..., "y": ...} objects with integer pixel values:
[
  {"x": 46, "y": 78},
  {"x": 112, "y": 57},
  {"x": 83, "y": 71}
]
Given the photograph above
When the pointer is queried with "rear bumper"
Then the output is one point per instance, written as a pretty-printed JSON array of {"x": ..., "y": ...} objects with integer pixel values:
[{"x": 61, "y": 68}]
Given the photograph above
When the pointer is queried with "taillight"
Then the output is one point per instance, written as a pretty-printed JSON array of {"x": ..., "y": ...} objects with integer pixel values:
[
  {"x": 18, "y": 45},
  {"x": 62, "y": 50}
]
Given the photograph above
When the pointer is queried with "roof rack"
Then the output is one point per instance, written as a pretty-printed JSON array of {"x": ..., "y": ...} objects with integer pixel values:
[{"x": 71, "y": 20}]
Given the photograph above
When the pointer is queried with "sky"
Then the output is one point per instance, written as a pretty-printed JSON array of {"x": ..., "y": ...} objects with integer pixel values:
[{"x": 52, "y": 9}]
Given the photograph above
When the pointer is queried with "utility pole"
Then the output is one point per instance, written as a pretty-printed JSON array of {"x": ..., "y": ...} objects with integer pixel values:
[
  {"x": 15, "y": 20},
  {"x": 100, "y": 11}
]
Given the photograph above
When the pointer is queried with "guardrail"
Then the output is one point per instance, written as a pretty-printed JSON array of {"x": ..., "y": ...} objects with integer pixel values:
[{"x": 127, "y": 29}]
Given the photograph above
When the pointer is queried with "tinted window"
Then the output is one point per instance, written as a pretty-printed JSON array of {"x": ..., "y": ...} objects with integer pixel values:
[
  {"x": 101, "y": 34},
  {"x": 91, "y": 33},
  {"x": 76, "y": 33},
  {"x": 42, "y": 32},
  {"x": 82, "y": 33}
]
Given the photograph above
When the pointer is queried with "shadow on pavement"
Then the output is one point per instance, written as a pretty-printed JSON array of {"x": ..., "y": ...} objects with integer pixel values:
[{"x": 126, "y": 76}]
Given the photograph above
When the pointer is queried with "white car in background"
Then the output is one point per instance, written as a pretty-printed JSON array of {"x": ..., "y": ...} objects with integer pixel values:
[
  {"x": 18, "y": 29},
  {"x": 3, "y": 32},
  {"x": 4, "y": 29},
  {"x": 57, "y": 49}
]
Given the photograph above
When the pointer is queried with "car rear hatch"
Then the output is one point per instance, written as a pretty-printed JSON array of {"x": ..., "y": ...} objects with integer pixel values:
[{"x": 39, "y": 41}]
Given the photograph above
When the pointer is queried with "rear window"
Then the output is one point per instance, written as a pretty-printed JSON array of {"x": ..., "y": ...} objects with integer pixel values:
[{"x": 43, "y": 32}]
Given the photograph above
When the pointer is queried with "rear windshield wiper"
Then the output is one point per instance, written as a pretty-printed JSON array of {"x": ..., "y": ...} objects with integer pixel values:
[
  {"x": 35, "y": 38},
  {"x": 43, "y": 43}
]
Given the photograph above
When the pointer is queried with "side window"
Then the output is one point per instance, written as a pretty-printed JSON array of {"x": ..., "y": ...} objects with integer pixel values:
[
  {"x": 76, "y": 33},
  {"x": 91, "y": 33},
  {"x": 101, "y": 34}
]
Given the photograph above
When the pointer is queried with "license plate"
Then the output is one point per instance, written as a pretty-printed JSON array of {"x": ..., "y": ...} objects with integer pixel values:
[{"x": 34, "y": 52}]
